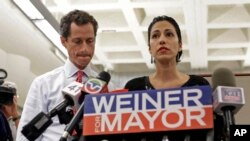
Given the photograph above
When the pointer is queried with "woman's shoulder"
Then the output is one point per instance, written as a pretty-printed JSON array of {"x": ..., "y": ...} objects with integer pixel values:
[
  {"x": 137, "y": 79},
  {"x": 196, "y": 80},
  {"x": 137, "y": 83}
]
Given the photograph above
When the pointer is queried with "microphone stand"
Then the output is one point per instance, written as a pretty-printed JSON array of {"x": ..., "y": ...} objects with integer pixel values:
[
  {"x": 228, "y": 120},
  {"x": 71, "y": 126},
  {"x": 42, "y": 121}
]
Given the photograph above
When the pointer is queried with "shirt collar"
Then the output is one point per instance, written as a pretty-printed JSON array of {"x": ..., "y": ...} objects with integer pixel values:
[{"x": 70, "y": 69}]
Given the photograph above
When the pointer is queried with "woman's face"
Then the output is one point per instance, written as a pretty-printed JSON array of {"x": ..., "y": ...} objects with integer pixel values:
[{"x": 164, "y": 43}]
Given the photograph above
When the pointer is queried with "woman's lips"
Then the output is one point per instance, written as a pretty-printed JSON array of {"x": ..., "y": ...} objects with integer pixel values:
[{"x": 162, "y": 49}]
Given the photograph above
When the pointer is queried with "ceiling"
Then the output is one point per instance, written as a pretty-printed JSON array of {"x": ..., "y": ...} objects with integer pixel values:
[{"x": 215, "y": 32}]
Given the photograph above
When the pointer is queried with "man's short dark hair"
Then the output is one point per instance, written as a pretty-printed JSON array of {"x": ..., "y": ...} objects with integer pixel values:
[{"x": 78, "y": 17}]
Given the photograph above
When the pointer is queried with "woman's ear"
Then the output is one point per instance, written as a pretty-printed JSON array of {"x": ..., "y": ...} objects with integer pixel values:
[{"x": 180, "y": 46}]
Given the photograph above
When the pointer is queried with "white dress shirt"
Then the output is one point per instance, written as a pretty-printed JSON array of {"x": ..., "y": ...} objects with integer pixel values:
[{"x": 44, "y": 94}]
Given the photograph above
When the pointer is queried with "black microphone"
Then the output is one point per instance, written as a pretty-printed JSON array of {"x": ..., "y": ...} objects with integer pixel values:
[
  {"x": 92, "y": 86},
  {"x": 223, "y": 77},
  {"x": 227, "y": 98},
  {"x": 3, "y": 75},
  {"x": 42, "y": 121}
]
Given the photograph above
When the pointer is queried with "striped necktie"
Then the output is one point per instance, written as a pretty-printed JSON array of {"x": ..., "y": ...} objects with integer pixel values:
[{"x": 79, "y": 76}]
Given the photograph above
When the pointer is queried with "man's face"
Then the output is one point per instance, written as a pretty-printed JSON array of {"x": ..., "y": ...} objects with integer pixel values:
[{"x": 80, "y": 44}]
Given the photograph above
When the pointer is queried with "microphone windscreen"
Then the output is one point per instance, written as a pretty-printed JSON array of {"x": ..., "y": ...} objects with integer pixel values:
[
  {"x": 3, "y": 75},
  {"x": 223, "y": 77},
  {"x": 104, "y": 76}
]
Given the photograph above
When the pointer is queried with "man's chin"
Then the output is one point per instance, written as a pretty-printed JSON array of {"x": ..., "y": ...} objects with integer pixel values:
[
  {"x": 82, "y": 64},
  {"x": 84, "y": 59}
]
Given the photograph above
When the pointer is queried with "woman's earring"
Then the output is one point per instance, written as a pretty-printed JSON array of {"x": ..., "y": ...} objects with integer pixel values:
[
  {"x": 152, "y": 60},
  {"x": 178, "y": 57}
]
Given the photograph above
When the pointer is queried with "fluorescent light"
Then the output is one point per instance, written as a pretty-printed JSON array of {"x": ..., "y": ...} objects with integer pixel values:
[
  {"x": 29, "y": 9},
  {"x": 42, "y": 24},
  {"x": 51, "y": 33},
  {"x": 59, "y": 55}
]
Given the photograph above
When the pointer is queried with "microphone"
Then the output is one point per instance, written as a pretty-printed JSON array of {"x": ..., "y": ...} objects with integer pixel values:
[
  {"x": 3, "y": 75},
  {"x": 42, "y": 121},
  {"x": 227, "y": 98},
  {"x": 98, "y": 84},
  {"x": 92, "y": 86},
  {"x": 72, "y": 93},
  {"x": 226, "y": 94}
]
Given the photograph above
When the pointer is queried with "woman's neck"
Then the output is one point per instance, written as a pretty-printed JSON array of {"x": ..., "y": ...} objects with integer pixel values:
[
  {"x": 167, "y": 76},
  {"x": 166, "y": 71}
]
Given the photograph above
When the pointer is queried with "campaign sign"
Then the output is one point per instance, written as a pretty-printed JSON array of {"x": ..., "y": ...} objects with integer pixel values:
[{"x": 183, "y": 108}]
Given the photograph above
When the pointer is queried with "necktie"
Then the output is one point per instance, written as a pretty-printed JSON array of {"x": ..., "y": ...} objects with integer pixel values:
[
  {"x": 77, "y": 129},
  {"x": 79, "y": 76}
]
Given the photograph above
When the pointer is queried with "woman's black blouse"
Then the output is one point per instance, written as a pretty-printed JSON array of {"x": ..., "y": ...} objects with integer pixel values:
[{"x": 143, "y": 83}]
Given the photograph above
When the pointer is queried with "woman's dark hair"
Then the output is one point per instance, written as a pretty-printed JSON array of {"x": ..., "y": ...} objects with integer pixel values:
[
  {"x": 78, "y": 17},
  {"x": 176, "y": 26}
]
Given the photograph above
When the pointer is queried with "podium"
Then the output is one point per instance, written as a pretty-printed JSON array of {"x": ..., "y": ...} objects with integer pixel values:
[{"x": 150, "y": 115}]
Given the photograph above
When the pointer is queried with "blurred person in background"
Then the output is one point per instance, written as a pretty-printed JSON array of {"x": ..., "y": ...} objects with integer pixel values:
[{"x": 9, "y": 109}]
